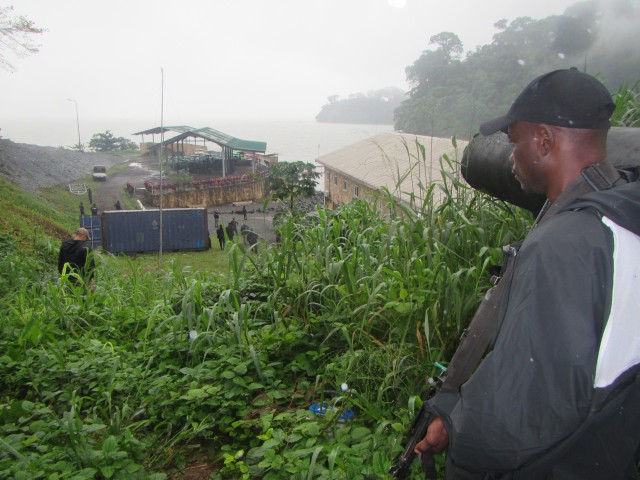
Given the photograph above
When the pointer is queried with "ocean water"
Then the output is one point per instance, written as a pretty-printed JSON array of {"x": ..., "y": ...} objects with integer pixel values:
[{"x": 292, "y": 140}]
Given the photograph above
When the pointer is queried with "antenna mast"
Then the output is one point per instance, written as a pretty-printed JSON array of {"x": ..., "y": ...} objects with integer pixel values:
[{"x": 160, "y": 155}]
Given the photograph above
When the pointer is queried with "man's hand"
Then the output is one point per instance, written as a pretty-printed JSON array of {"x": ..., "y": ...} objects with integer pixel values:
[{"x": 436, "y": 439}]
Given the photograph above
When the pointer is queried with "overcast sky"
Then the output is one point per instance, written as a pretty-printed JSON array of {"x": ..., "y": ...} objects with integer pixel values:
[{"x": 230, "y": 59}]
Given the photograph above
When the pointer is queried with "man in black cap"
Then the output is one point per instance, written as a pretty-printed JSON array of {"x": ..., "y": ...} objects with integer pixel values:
[
  {"x": 75, "y": 253},
  {"x": 558, "y": 395}
]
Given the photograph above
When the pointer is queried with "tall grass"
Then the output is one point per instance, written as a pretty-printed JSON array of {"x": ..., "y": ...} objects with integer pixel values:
[
  {"x": 627, "y": 112},
  {"x": 148, "y": 370}
]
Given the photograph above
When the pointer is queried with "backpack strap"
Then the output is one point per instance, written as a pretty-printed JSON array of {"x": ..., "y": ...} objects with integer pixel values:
[
  {"x": 477, "y": 337},
  {"x": 601, "y": 176},
  {"x": 596, "y": 177}
]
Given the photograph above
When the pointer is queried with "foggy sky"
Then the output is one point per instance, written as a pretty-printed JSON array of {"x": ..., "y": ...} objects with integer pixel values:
[{"x": 229, "y": 59}]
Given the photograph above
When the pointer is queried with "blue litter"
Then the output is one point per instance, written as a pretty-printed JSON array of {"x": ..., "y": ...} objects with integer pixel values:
[{"x": 321, "y": 409}]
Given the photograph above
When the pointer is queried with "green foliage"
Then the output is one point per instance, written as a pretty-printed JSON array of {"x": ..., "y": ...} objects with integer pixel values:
[
  {"x": 290, "y": 180},
  {"x": 373, "y": 107},
  {"x": 627, "y": 112},
  {"x": 451, "y": 95},
  {"x": 31, "y": 223},
  {"x": 107, "y": 142},
  {"x": 149, "y": 371}
]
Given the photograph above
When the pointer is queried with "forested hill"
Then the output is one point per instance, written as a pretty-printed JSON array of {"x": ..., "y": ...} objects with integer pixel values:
[
  {"x": 374, "y": 107},
  {"x": 452, "y": 92}
]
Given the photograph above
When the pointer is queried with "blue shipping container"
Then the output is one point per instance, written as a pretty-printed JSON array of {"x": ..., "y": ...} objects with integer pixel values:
[{"x": 138, "y": 231}]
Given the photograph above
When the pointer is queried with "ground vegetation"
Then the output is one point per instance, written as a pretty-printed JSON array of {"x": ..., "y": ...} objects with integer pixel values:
[{"x": 148, "y": 373}]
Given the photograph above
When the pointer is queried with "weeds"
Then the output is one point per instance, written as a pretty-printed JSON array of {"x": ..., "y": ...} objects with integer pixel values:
[{"x": 148, "y": 370}]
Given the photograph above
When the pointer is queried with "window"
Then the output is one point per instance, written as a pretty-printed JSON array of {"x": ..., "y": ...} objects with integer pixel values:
[
  {"x": 356, "y": 191},
  {"x": 335, "y": 180},
  {"x": 344, "y": 185}
]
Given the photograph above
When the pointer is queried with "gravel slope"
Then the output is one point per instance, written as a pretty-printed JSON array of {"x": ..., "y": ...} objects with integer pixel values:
[{"x": 33, "y": 167}]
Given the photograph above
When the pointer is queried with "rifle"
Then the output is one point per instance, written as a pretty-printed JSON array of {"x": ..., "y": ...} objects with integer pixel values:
[
  {"x": 416, "y": 433},
  {"x": 473, "y": 344}
]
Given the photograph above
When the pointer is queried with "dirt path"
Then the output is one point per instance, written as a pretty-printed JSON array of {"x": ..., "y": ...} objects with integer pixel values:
[{"x": 105, "y": 194}]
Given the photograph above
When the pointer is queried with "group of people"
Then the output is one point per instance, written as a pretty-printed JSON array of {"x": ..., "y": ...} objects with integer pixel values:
[
  {"x": 558, "y": 394},
  {"x": 249, "y": 237},
  {"x": 94, "y": 209}
]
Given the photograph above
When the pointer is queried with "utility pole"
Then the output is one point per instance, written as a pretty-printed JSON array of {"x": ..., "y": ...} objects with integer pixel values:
[
  {"x": 78, "y": 124},
  {"x": 160, "y": 160}
]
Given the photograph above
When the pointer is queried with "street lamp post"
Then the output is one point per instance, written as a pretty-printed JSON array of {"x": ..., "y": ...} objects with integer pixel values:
[{"x": 78, "y": 123}]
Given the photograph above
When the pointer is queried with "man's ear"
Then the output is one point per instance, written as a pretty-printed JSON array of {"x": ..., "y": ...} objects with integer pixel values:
[{"x": 546, "y": 138}]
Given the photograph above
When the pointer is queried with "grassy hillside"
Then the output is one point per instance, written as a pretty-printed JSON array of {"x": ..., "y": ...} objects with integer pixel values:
[
  {"x": 26, "y": 218},
  {"x": 153, "y": 370}
]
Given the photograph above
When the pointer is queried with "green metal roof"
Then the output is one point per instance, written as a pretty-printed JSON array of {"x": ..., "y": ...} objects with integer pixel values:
[{"x": 209, "y": 134}]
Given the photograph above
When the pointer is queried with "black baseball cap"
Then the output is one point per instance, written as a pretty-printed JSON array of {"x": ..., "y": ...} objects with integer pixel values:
[{"x": 565, "y": 98}]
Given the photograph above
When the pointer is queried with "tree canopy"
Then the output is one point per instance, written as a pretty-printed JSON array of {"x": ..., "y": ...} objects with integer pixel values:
[
  {"x": 108, "y": 142},
  {"x": 16, "y": 34},
  {"x": 373, "y": 107},
  {"x": 290, "y": 180},
  {"x": 451, "y": 93}
]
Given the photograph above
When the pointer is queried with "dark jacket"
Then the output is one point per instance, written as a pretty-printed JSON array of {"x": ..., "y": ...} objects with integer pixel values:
[
  {"x": 76, "y": 254},
  {"x": 558, "y": 397}
]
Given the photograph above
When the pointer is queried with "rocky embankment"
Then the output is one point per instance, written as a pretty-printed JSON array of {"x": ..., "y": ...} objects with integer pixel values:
[{"x": 33, "y": 167}]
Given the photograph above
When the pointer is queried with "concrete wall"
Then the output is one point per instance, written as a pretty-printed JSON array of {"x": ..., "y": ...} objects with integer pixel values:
[
  {"x": 335, "y": 193},
  {"x": 340, "y": 188},
  {"x": 210, "y": 197}
]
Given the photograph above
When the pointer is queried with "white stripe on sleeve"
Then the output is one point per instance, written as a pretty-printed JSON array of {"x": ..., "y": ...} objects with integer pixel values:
[{"x": 620, "y": 344}]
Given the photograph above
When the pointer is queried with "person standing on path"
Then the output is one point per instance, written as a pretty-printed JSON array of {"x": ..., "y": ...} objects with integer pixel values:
[{"x": 94, "y": 209}]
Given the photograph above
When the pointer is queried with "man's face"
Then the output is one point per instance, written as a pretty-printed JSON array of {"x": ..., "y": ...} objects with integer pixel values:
[{"x": 528, "y": 164}]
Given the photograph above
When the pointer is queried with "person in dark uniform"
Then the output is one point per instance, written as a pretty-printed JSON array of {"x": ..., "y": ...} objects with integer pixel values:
[
  {"x": 244, "y": 229},
  {"x": 75, "y": 253},
  {"x": 81, "y": 208},
  {"x": 94, "y": 209},
  {"x": 220, "y": 235},
  {"x": 252, "y": 238},
  {"x": 558, "y": 395}
]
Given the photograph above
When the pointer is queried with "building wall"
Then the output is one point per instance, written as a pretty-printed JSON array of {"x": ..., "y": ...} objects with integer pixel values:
[
  {"x": 340, "y": 188},
  {"x": 210, "y": 197}
]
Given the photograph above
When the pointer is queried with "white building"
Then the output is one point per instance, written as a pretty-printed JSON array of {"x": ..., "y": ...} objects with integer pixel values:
[{"x": 403, "y": 163}]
